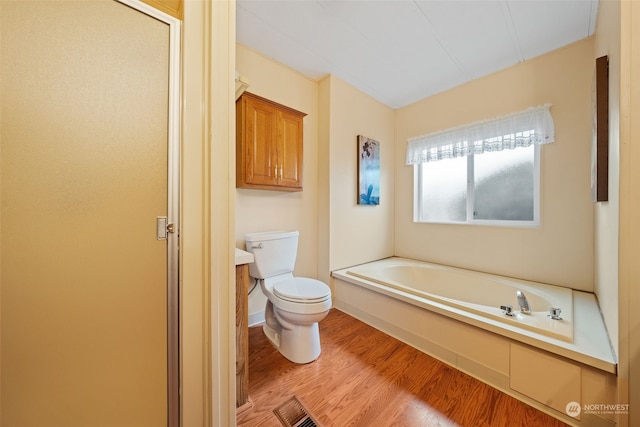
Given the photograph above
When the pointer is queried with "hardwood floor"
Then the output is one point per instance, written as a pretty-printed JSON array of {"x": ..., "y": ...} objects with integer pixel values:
[{"x": 366, "y": 378}]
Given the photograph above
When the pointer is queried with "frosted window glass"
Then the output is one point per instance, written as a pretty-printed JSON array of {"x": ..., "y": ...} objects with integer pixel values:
[
  {"x": 504, "y": 185},
  {"x": 444, "y": 190}
]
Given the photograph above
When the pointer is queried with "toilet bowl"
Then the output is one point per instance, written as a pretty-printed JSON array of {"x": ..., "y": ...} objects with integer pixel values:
[{"x": 294, "y": 305}]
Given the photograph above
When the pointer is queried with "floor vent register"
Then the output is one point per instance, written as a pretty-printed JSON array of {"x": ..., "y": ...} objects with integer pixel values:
[{"x": 292, "y": 413}]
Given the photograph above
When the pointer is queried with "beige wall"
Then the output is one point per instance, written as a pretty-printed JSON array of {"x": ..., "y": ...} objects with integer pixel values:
[
  {"x": 629, "y": 247},
  {"x": 560, "y": 251},
  {"x": 357, "y": 233},
  {"x": 334, "y": 231},
  {"x": 607, "y": 42},
  {"x": 264, "y": 210},
  {"x": 617, "y": 232}
]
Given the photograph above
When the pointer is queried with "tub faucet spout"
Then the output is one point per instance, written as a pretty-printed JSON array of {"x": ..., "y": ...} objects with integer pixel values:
[{"x": 523, "y": 303}]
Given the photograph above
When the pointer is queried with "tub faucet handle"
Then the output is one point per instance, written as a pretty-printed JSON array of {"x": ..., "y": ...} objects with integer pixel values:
[
  {"x": 507, "y": 310},
  {"x": 554, "y": 313}
]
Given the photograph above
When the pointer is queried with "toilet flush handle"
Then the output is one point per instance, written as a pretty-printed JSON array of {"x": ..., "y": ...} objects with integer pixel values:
[{"x": 258, "y": 246}]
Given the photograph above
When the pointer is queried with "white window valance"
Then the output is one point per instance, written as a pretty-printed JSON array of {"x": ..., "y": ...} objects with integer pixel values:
[{"x": 531, "y": 126}]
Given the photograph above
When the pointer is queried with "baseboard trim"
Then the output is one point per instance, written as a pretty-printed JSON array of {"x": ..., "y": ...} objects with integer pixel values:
[{"x": 256, "y": 318}]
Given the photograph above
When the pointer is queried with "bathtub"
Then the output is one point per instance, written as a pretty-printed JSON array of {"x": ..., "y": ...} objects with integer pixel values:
[
  {"x": 376, "y": 291},
  {"x": 474, "y": 292},
  {"x": 454, "y": 315}
]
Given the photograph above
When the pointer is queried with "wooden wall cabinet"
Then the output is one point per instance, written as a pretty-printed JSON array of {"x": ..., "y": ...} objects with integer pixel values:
[{"x": 268, "y": 145}]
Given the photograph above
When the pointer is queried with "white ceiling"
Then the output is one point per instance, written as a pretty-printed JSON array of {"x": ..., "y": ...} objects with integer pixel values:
[{"x": 401, "y": 51}]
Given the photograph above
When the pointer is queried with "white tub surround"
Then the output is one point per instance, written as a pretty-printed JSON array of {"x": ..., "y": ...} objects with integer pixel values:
[{"x": 456, "y": 329}]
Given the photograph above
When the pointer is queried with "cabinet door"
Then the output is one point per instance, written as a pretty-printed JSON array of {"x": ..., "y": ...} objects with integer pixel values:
[
  {"x": 290, "y": 150},
  {"x": 261, "y": 155}
]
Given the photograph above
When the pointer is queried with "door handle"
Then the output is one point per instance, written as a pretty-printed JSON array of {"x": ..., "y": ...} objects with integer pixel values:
[{"x": 163, "y": 228}]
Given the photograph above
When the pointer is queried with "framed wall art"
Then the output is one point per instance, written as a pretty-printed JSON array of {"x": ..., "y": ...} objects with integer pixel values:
[{"x": 368, "y": 171}]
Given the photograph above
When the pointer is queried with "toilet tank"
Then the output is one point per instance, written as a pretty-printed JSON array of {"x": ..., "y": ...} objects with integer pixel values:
[{"x": 274, "y": 253}]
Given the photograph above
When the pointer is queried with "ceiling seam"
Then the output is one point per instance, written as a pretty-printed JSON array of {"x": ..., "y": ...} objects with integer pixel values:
[
  {"x": 389, "y": 100},
  {"x": 513, "y": 32},
  {"x": 593, "y": 13},
  {"x": 441, "y": 44}
]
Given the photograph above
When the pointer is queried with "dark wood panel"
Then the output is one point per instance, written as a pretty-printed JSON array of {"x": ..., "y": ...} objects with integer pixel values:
[{"x": 601, "y": 172}]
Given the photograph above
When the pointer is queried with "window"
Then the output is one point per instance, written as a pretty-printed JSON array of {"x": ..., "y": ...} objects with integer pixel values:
[
  {"x": 498, "y": 188},
  {"x": 483, "y": 173}
]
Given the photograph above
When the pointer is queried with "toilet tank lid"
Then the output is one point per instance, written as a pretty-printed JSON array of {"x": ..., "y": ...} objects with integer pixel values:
[{"x": 269, "y": 235}]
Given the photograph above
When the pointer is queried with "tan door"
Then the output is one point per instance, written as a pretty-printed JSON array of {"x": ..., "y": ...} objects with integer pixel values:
[{"x": 83, "y": 162}]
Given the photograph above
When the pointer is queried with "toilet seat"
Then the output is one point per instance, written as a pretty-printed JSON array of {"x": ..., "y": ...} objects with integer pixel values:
[{"x": 302, "y": 290}]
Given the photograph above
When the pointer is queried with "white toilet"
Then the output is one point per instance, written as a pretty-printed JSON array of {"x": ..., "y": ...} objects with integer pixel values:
[{"x": 295, "y": 305}]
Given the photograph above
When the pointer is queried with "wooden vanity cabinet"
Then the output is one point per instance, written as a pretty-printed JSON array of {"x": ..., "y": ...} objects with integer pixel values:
[{"x": 268, "y": 145}]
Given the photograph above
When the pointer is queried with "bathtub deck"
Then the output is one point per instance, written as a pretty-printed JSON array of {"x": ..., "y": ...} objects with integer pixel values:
[{"x": 367, "y": 378}]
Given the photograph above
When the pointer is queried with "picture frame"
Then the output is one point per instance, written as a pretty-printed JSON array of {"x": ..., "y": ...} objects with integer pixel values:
[{"x": 368, "y": 171}]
